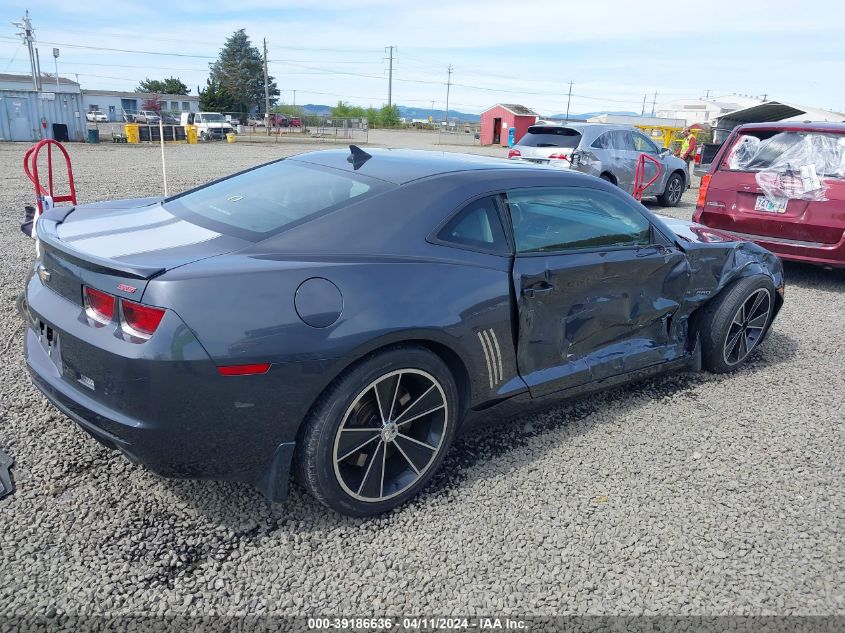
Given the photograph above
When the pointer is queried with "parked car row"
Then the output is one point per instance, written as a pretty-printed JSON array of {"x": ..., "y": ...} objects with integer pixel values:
[{"x": 610, "y": 152}]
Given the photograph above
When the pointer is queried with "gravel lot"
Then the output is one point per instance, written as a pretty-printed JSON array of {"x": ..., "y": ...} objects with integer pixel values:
[{"x": 689, "y": 494}]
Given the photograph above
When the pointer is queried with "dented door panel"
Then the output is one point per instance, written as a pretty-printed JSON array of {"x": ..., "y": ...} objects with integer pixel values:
[{"x": 602, "y": 314}]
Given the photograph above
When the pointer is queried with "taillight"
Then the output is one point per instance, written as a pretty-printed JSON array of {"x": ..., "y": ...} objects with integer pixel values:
[
  {"x": 98, "y": 305},
  {"x": 558, "y": 157},
  {"x": 514, "y": 152},
  {"x": 244, "y": 370},
  {"x": 139, "y": 320},
  {"x": 698, "y": 153},
  {"x": 702, "y": 190}
]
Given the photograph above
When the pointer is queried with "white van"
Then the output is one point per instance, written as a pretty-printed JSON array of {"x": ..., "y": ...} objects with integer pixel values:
[{"x": 210, "y": 125}]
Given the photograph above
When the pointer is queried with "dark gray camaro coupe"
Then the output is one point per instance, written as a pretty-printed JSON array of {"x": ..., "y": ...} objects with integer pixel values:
[{"x": 347, "y": 312}]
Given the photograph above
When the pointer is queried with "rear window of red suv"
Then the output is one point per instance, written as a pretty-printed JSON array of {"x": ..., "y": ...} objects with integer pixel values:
[{"x": 759, "y": 150}]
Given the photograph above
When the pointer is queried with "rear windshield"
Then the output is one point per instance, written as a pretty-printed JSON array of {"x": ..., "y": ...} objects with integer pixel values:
[
  {"x": 767, "y": 150},
  {"x": 549, "y": 136},
  {"x": 267, "y": 199}
]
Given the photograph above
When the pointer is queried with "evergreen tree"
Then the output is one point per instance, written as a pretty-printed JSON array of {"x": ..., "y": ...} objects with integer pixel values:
[
  {"x": 170, "y": 86},
  {"x": 239, "y": 71},
  {"x": 215, "y": 98}
]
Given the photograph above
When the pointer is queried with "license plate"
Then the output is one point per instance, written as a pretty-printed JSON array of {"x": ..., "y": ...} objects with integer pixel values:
[
  {"x": 49, "y": 339},
  {"x": 770, "y": 206}
]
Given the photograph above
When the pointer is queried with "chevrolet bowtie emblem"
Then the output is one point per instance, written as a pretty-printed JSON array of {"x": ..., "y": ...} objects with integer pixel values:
[{"x": 43, "y": 274}]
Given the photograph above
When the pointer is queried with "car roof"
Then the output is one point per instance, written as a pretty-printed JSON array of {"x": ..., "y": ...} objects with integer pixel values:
[
  {"x": 400, "y": 166},
  {"x": 796, "y": 126},
  {"x": 584, "y": 126}
]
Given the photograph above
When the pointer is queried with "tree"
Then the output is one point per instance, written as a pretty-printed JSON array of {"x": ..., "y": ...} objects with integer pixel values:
[
  {"x": 153, "y": 103},
  {"x": 239, "y": 70},
  {"x": 169, "y": 86},
  {"x": 215, "y": 98},
  {"x": 389, "y": 116},
  {"x": 344, "y": 110}
]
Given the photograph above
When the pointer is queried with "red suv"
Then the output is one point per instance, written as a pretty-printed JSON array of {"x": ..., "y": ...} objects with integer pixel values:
[{"x": 781, "y": 185}]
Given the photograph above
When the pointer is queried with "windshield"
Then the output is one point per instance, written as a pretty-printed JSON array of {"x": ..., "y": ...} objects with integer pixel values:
[
  {"x": 787, "y": 152},
  {"x": 269, "y": 198},
  {"x": 550, "y": 136},
  {"x": 211, "y": 117}
]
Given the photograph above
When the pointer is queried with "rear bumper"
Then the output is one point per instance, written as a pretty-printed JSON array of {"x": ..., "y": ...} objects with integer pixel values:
[
  {"x": 791, "y": 250},
  {"x": 164, "y": 406}
]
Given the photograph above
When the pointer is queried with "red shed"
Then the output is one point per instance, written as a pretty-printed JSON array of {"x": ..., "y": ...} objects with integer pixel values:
[{"x": 495, "y": 122}]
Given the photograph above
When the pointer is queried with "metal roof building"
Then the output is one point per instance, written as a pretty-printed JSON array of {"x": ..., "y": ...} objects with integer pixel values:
[
  {"x": 770, "y": 111},
  {"x": 27, "y": 114}
]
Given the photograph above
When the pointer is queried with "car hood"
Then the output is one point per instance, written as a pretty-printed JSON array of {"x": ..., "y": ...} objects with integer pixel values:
[
  {"x": 139, "y": 235},
  {"x": 694, "y": 232}
]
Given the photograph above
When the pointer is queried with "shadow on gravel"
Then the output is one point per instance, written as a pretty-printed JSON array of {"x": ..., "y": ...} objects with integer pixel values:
[
  {"x": 815, "y": 277},
  {"x": 240, "y": 508}
]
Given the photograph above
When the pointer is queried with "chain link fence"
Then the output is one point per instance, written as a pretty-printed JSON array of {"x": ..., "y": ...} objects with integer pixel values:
[{"x": 468, "y": 134}]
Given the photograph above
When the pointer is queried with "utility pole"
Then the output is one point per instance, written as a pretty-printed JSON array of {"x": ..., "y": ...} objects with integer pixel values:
[
  {"x": 448, "y": 87},
  {"x": 390, "y": 77},
  {"x": 642, "y": 112},
  {"x": 266, "y": 93},
  {"x": 27, "y": 34},
  {"x": 38, "y": 68},
  {"x": 568, "y": 100},
  {"x": 707, "y": 93},
  {"x": 294, "y": 98},
  {"x": 56, "y": 59},
  {"x": 654, "y": 103}
]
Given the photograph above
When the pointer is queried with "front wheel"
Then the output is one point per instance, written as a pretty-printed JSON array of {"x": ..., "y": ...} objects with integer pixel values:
[
  {"x": 379, "y": 432},
  {"x": 736, "y": 323},
  {"x": 671, "y": 196}
]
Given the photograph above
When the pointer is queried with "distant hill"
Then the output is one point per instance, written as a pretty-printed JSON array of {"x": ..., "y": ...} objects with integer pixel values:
[
  {"x": 405, "y": 112},
  {"x": 408, "y": 112}
]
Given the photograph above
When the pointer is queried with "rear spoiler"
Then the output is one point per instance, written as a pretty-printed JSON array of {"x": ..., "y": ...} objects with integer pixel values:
[{"x": 45, "y": 229}]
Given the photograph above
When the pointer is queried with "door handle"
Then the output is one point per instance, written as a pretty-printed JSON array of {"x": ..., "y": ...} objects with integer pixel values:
[{"x": 538, "y": 289}]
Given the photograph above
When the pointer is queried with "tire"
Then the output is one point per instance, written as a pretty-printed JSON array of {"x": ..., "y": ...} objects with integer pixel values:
[
  {"x": 344, "y": 472},
  {"x": 608, "y": 178},
  {"x": 728, "y": 335},
  {"x": 671, "y": 196}
]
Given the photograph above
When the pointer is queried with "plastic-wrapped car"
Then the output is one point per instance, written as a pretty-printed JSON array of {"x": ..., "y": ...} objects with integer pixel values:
[{"x": 781, "y": 185}]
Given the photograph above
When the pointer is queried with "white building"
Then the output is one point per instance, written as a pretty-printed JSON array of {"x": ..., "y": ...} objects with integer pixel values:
[
  {"x": 703, "y": 110},
  {"x": 115, "y": 103}
]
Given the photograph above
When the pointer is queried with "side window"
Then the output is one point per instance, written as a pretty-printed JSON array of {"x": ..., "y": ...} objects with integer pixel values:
[
  {"x": 477, "y": 226},
  {"x": 617, "y": 140},
  {"x": 644, "y": 144},
  {"x": 602, "y": 142},
  {"x": 572, "y": 218},
  {"x": 622, "y": 140}
]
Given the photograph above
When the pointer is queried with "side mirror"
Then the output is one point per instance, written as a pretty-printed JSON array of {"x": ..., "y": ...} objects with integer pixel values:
[{"x": 665, "y": 151}]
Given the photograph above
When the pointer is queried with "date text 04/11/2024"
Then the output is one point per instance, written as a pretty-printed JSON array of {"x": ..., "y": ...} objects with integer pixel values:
[{"x": 417, "y": 623}]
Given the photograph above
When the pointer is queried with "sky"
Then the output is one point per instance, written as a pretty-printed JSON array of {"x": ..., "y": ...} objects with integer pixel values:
[{"x": 616, "y": 53}]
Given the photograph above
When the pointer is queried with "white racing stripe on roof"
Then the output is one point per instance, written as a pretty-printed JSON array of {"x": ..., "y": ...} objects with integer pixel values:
[
  {"x": 180, "y": 233},
  {"x": 117, "y": 220}
]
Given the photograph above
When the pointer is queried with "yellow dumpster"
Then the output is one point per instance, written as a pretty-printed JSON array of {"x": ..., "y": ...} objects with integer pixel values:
[
  {"x": 230, "y": 137},
  {"x": 191, "y": 134},
  {"x": 133, "y": 133}
]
